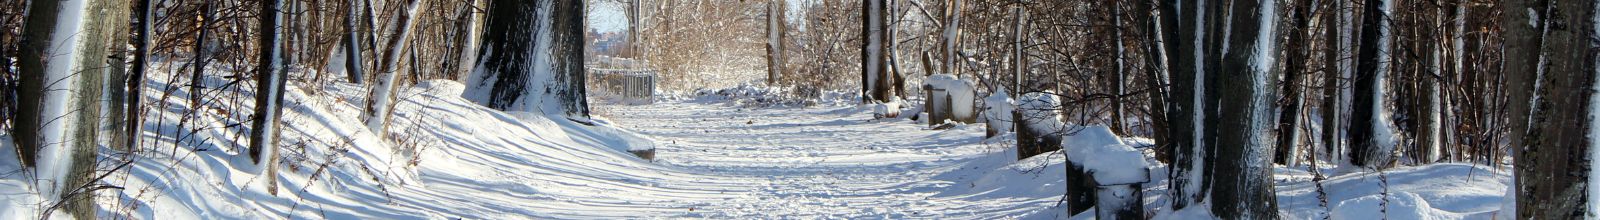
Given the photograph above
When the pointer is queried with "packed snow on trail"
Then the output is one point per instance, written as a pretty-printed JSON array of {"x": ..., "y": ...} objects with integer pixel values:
[{"x": 450, "y": 158}]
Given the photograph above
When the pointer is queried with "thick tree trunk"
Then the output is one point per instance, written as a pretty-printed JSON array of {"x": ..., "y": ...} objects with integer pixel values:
[
  {"x": 1371, "y": 147},
  {"x": 1553, "y": 165},
  {"x": 1244, "y": 149},
  {"x": 58, "y": 123},
  {"x": 381, "y": 100},
  {"x": 1428, "y": 121},
  {"x": 270, "y": 79},
  {"x": 116, "y": 85},
  {"x": 1189, "y": 152},
  {"x": 549, "y": 81}
]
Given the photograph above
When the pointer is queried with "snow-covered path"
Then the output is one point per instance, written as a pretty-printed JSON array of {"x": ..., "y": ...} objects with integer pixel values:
[{"x": 836, "y": 162}]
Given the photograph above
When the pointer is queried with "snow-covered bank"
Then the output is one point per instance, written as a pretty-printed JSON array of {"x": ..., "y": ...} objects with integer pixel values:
[
  {"x": 451, "y": 158},
  {"x": 447, "y": 158}
]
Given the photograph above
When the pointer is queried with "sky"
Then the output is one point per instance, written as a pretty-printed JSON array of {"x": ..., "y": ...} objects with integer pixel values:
[{"x": 607, "y": 16}]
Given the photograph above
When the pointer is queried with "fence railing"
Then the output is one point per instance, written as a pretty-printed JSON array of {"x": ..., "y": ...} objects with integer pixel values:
[{"x": 625, "y": 84}]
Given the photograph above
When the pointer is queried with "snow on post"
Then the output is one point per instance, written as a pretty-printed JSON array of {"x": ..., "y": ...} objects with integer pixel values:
[
  {"x": 952, "y": 99},
  {"x": 1038, "y": 126},
  {"x": 997, "y": 113},
  {"x": 1117, "y": 171}
]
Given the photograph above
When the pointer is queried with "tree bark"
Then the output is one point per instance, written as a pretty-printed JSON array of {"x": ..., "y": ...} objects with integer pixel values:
[
  {"x": 270, "y": 79},
  {"x": 201, "y": 55},
  {"x": 1368, "y": 150},
  {"x": 1553, "y": 164},
  {"x": 352, "y": 43},
  {"x": 141, "y": 53},
  {"x": 1244, "y": 149},
  {"x": 1294, "y": 73},
  {"x": 875, "y": 32},
  {"x": 776, "y": 26},
  {"x": 58, "y": 116},
  {"x": 1334, "y": 68},
  {"x": 1156, "y": 74},
  {"x": 1428, "y": 121},
  {"x": 1189, "y": 152},
  {"x": 509, "y": 80},
  {"x": 1119, "y": 74},
  {"x": 381, "y": 100}
]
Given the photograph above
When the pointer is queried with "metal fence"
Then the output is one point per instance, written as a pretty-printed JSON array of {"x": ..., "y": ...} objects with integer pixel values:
[{"x": 628, "y": 85}]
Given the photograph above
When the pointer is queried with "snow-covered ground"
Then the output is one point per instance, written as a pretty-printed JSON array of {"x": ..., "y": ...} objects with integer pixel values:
[{"x": 716, "y": 158}]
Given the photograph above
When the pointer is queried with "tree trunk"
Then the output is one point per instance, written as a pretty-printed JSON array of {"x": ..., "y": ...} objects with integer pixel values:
[
  {"x": 1428, "y": 120},
  {"x": 878, "y": 82},
  {"x": 1118, "y": 73},
  {"x": 58, "y": 120},
  {"x": 551, "y": 30},
  {"x": 1372, "y": 145},
  {"x": 381, "y": 100},
  {"x": 116, "y": 85},
  {"x": 1189, "y": 152},
  {"x": 1156, "y": 74},
  {"x": 352, "y": 43},
  {"x": 951, "y": 39},
  {"x": 776, "y": 25},
  {"x": 1553, "y": 167},
  {"x": 270, "y": 79},
  {"x": 202, "y": 54},
  {"x": 141, "y": 53},
  {"x": 1293, "y": 79},
  {"x": 1334, "y": 70},
  {"x": 1244, "y": 149}
]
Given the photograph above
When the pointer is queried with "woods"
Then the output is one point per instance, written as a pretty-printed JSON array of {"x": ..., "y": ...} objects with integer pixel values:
[{"x": 1229, "y": 102}]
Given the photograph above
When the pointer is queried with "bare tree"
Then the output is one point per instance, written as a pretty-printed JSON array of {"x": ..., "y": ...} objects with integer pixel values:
[
  {"x": 381, "y": 100},
  {"x": 270, "y": 79}
]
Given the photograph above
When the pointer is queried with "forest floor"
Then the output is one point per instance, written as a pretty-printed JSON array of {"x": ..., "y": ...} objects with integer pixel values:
[{"x": 449, "y": 158}]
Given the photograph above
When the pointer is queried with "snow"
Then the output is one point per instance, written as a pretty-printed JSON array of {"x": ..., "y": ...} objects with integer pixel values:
[
  {"x": 1103, "y": 155},
  {"x": 1039, "y": 109},
  {"x": 1403, "y": 205},
  {"x": 715, "y": 159},
  {"x": 889, "y": 109},
  {"x": 1593, "y": 187},
  {"x": 997, "y": 111},
  {"x": 961, "y": 91}
]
